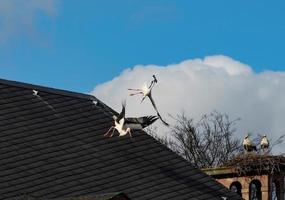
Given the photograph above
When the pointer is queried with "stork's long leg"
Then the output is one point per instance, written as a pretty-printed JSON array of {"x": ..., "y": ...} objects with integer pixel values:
[
  {"x": 112, "y": 133},
  {"x": 139, "y": 91},
  {"x": 135, "y": 89},
  {"x": 106, "y": 134},
  {"x": 130, "y": 133},
  {"x": 132, "y": 94}
]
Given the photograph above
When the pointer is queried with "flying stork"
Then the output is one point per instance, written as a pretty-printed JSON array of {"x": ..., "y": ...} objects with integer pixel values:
[
  {"x": 248, "y": 145},
  {"x": 264, "y": 143},
  {"x": 124, "y": 125},
  {"x": 146, "y": 92},
  {"x": 119, "y": 122}
]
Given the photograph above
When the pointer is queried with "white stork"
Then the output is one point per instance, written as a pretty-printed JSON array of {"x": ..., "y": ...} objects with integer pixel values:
[
  {"x": 119, "y": 122},
  {"x": 146, "y": 92},
  {"x": 264, "y": 143},
  {"x": 248, "y": 145},
  {"x": 125, "y": 125}
]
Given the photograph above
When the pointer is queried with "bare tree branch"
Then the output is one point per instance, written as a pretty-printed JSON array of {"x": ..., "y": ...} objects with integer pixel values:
[{"x": 207, "y": 143}]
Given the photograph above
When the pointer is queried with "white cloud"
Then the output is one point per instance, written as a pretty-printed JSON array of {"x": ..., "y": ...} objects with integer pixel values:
[
  {"x": 19, "y": 17},
  {"x": 200, "y": 86}
]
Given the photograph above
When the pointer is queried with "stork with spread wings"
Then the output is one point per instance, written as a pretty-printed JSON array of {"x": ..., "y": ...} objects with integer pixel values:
[{"x": 146, "y": 92}]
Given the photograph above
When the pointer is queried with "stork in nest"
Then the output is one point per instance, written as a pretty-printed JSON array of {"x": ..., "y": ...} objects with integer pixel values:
[
  {"x": 264, "y": 143},
  {"x": 248, "y": 145}
]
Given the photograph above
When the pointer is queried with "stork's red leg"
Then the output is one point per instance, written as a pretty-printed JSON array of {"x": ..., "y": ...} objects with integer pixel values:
[
  {"x": 106, "y": 134},
  {"x": 135, "y": 89},
  {"x": 112, "y": 133},
  {"x": 136, "y": 93}
]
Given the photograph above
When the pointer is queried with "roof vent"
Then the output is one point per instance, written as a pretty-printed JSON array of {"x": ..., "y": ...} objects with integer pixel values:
[
  {"x": 95, "y": 102},
  {"x": 35, "y": 92}
]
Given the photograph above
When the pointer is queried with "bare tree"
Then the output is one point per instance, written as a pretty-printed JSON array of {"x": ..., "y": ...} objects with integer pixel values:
[{"x": 208, "y": 143}]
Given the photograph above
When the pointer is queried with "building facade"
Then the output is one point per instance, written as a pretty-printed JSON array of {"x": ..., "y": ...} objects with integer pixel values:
[{"x": 253, "y": 177}]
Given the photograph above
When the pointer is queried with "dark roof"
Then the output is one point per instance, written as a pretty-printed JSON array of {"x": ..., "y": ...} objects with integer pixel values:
[
  {"x": 109, "y": 196},
  {"x": 52, "y": 145}
]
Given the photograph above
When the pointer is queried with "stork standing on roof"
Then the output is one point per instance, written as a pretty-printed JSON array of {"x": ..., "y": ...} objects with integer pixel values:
[
  {"x": 124, "y": 125},
  {"x": 248, "y": 145},
  {"x": 264, "y": 143},
  {"x": 146, "y": 92}
]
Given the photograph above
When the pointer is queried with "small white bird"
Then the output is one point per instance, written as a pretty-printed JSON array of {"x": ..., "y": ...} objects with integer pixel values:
[
  {"x": 125, "y": 125},
  {"x": 264, "y": 143},
  {"x": 248, "y": 145},
  {"x": 146, "y": 92},
  {"x": 35, "y": 92}
]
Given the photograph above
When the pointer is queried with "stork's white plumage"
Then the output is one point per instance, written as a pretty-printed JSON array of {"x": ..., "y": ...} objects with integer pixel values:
[
  {"x": 146, "y": 92},
  {"x": 248, "y": 145},
  {"x": 119, "y": 124},
  {"x": 124, "y": 125},
  {"x": 120, "y": 127},
  {"x": 264, "y": 143}
]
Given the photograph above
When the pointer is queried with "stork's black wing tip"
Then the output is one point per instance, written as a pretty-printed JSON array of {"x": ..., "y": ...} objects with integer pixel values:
[
  {"x": 151, "y": 119},
  {"x": 165, "y": 123}
]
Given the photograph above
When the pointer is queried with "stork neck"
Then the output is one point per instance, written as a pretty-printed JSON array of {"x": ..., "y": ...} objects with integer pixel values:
[{"x": 151, "y": 85}]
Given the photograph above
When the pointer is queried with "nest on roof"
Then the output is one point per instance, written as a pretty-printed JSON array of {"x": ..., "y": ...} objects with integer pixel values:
[{"x": 256, "y": 164}]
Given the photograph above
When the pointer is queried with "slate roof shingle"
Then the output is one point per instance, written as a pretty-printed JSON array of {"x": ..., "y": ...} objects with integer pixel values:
[
  {"x": 110, "y": 196},
  {"x": 52, "y": 145}
]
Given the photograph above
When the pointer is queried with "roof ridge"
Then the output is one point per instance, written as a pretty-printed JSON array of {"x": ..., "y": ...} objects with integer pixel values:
[
  {"x": 48, "y": 89},
  {"x": 61, "y": 92}
]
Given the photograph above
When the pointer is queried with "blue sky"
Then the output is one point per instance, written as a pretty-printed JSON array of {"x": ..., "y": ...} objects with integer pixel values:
[
  {"x": 223, "y": 55},
  {"x": 76, "y": 45}
]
